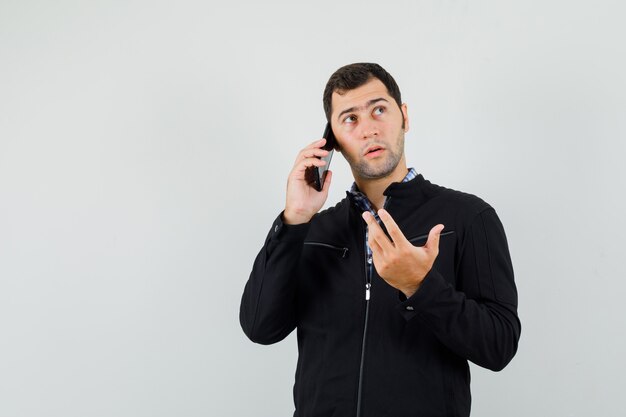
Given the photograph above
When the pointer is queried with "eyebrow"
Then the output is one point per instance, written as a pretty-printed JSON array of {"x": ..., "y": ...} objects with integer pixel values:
[{"x": 368, "y": 104}]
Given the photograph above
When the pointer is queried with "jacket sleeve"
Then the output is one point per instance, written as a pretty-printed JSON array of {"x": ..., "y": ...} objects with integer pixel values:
[
  {"x": 268, "y": 306},
  {"x": 478, "y": 319}
]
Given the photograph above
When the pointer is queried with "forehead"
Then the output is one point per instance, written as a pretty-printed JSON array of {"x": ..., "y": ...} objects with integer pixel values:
[{"x": 358, "y": 97}]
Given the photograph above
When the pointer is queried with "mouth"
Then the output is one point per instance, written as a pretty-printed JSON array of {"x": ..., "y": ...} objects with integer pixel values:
[{"x": 373, "y": 151}]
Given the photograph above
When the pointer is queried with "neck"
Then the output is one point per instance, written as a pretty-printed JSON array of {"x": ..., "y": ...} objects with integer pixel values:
[{"x": 374, "y": 188}]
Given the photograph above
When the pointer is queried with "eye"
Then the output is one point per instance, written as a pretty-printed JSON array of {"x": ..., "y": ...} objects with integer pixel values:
[
  {"x": 350, "y": 119},
  {"x": 379, "y": 110}
]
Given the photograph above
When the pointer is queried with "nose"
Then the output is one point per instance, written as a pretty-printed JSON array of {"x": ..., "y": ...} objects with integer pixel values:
[{"x": 369, "y": 130}]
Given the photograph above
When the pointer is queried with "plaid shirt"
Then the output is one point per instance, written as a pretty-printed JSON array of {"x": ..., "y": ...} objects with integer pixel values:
[{"x": 364, "y": 204}]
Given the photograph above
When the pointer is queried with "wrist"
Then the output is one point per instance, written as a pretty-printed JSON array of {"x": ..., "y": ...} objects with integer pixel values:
[
  {"x": 292, "y": 217},
  {"x": 411, "y": 288}
]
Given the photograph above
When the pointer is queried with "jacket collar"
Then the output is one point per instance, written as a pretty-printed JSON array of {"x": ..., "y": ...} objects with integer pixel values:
[{"x": 417, "y": 191}]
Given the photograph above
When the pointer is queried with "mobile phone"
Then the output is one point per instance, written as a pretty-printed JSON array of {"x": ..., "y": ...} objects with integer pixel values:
[{"x": 315, "y": 176}]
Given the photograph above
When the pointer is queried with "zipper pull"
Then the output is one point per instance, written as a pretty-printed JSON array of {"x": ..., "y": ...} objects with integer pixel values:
[{"x": 367, "y": 291}]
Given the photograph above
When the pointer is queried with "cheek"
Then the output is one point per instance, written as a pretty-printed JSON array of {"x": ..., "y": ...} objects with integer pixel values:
[
  {"x": 347, "y": 150},
  {"x": 346, "y": 144},
  {"x": 342, "y": 145}
]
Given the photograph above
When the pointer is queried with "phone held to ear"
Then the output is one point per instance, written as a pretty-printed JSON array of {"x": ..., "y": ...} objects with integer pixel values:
[{"x": 315, "y": 176}]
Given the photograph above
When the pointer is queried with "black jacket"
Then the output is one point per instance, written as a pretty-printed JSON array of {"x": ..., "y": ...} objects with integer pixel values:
[{"x": 389, "y": 356}]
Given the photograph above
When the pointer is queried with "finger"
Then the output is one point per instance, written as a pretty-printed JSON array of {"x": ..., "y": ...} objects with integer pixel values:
[
  {"x": 310, "y": 153},
  {"x": 392, "y": 227},
  {"x": 313, "y": 152},
  {"x": 299, "y": 171},
  {"x": 433, "y": 237},
  {"x": 326, "y": 186},
  {"x": 374, "y": 246},
  {"x": 309, "y": 162},
  {"x": 376, "y": 232},
  {"x": 371, "y": 241},
  {"x": 316, "y": 144}
]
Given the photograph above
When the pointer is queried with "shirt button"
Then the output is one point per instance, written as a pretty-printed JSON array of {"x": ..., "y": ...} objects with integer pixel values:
[
  {"x": 410, "y": 308},
  {"x": 369, "y": 260}
]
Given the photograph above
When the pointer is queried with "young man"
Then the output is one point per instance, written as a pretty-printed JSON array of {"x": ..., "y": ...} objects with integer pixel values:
[{"x": 395, "y": 288}]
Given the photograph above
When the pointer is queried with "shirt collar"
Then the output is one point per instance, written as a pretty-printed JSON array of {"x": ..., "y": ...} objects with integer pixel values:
[{"x": 361, "y": 199}]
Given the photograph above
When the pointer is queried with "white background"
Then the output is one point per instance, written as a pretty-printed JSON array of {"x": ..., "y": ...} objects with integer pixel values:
[{"x": 144, "y": 149}]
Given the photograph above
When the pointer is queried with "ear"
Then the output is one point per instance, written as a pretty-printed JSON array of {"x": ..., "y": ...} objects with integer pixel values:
[{"x": 405, "y": 115}]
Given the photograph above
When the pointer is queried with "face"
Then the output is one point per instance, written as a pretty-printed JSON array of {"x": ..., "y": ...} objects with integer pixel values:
[{"x": 367, "y": 123}]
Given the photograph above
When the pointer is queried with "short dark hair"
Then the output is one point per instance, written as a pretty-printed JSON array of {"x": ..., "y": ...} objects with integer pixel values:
[{"x": 355, "y": 75}]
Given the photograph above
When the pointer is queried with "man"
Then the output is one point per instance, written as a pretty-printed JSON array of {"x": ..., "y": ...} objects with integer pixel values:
[{"x": 392, "y": 290}]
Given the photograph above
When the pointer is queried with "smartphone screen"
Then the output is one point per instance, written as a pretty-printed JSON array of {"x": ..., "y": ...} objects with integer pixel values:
[{"x": 317, "y": 175}]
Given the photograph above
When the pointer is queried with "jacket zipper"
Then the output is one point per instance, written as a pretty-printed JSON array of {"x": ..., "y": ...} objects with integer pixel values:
[
  {"x": 368, "y": 289},
  {"x": 342, "y": 250},
  {"x": 414, "y": 239}
]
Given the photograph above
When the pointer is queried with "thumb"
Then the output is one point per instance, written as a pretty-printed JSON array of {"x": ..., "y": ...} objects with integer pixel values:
[
  {"x": 433, "y": 237},
  {"x": 326, "y": 185}
]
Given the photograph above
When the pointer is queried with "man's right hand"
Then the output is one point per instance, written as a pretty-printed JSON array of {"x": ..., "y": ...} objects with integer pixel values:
[{"x": 303, "y": 200}]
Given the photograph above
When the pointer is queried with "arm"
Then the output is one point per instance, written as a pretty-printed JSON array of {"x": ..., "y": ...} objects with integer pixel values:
[
  {"x": 267, "y": 314},
  {"x": 268, "y": 305},
  {"x": 480, "y": 322}
]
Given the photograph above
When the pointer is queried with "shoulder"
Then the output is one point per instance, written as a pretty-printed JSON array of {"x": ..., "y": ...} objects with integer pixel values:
[
  {"x": 456, "y": 207},
  {"x": 462, "y": 212},
  {"x": 334, "y": 213},
  {"x": 332, "y": 225},
  {"x": 461, "y": 200}
]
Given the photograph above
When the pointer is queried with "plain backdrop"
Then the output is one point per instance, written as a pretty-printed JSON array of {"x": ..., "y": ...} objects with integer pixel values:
[{"x": 144, "y": 150}]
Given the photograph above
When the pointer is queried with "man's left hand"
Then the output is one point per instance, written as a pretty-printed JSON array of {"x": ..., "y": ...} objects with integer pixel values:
[{"x": 396, "y": 260}]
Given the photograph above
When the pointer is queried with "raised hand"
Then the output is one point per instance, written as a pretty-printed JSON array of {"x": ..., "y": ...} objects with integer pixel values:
[
  {"x": 303, "y": 201},
  {"x": 397, "y": 261}
]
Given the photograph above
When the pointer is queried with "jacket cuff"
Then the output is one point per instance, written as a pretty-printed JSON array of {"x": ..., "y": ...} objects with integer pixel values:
[
  {"x": 425, "y": 295},
  {"x": 288, "y": 232}
]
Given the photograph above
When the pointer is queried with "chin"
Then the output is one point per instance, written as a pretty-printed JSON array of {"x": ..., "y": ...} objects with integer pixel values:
[{"x": 372, "y": 173}]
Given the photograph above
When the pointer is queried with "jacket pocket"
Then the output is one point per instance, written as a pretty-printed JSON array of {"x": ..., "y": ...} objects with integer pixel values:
[
  {"x": 421, "y": 239},
  {"x": 339, "y": 250}
]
